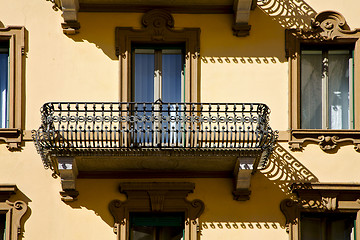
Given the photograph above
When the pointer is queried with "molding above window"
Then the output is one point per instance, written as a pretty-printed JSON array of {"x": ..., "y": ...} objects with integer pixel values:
[
  {"x": 16, "y": 37},
  {"x": 156, "y": 197},
  {"x": 13, "y": 211},
  {"x": 158, "y": 28},
  {"x": 241, "y": 10},
  {"x": 328, "y": 28},
  {"x": 321, "y": 198}
]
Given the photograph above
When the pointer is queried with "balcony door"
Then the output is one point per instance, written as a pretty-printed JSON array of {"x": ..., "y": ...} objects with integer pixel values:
[
  {"x": 158, "y": 77},
  {"x": 158, "y": 74}
]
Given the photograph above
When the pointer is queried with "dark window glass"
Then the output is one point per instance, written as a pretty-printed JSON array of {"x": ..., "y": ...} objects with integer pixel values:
[
  {"x": 321, "y": 226},
  {"x": 2, "y": 226},
  {"x": 159, "y": 226}
]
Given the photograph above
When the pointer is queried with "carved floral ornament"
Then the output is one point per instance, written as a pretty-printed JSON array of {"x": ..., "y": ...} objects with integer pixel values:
[
  {"x": 327, "y": 142},
  {"x": 157, "y": 26},
  {"x": 319, "y": 197},
  {"x": 327, "y": 25}
]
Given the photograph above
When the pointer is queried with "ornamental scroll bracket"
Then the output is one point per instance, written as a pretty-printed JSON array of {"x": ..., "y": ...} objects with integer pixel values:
[{"x": 14, "y": 211}]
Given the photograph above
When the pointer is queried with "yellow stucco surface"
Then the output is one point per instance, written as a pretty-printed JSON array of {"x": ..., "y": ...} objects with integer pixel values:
[{"x": 84, "y": 67}]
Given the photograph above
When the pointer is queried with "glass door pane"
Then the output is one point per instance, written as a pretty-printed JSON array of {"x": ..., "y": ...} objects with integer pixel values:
[
  {"x": 144, "y": 67},
  {"x": 311, "y": 89},
  {"x": 339, "y": 89},
  {"x": 172, "y": 92},
  {"x": 141, "y": 131}
]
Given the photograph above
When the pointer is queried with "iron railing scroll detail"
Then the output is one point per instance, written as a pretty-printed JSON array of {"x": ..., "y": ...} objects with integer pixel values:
[{"x": 69, "y": 127}]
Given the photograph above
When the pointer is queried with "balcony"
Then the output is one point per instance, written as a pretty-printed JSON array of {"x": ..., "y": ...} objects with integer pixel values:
[{"x": 137, "y": 140}]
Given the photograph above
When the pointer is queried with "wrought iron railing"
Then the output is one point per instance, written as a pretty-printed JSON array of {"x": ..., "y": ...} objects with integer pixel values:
[{"x": 127, "y": 125}]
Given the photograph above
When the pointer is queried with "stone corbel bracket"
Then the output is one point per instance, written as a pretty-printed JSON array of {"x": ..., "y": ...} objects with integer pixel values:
[
  {"x": 326, "y": 141},
  {"x": 70, "y": 9},
  {"x": 244, "y": 169},
  {"x": 68, "y": 173},
  {"x": 242, "y": 8}
]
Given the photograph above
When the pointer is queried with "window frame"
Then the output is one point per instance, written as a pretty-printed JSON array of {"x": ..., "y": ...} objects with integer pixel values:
[
  {"x": 158, "y": 28},
  {"x": 328, "y": 28},
  {"x": 325, "y": 49},
  {"x": 320, "y": 198},
  {"x": 12, "y": 135},
  {"x": 158, "y": 80},
  {"x": 157, "y": 197},
  {"x": 14, "y": 211}
]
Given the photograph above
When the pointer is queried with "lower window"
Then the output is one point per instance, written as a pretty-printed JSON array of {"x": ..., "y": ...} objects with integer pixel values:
[
  {"x": 2, "y": 226},
  {"x": 327, "y": 226},
  {"x": 156, "y": 226}
]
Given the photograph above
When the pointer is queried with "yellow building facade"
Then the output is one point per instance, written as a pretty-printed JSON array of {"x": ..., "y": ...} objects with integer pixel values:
[{"x": 232, "y": 156}]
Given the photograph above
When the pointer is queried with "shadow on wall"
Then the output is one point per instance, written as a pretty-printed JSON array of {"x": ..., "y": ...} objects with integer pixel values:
[
  {"x": 272, "y": 184},
  {"x": 283, "y": 170},
  {"x": 288, "y": 13},
  {"x": 264, "y": 45}
]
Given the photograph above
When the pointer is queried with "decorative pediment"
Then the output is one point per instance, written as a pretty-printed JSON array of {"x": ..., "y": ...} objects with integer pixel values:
[
  {"x": 157, "y": 26},
  {"x": 156, "y": 197},
  {"x": 327, "y": 25}
]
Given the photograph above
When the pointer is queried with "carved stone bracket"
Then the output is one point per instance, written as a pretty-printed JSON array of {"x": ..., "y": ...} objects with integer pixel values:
[
  {"x": 68, "y": 173},
  {"x": 318, "y": 197},
  {"x": 327, "y": 140},
  {"x": 331, "y": 25},
  {"x": 241, "y": 27},
  {"x": 13, "y": 211},
  {"x": 242, "y": 178},
  {"x": 155, "y": 197},
  {"x": 70, "y": 9}
]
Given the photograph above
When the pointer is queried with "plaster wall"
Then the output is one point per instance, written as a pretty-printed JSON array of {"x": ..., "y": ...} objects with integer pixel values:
[{"x": 84, "y": 68}]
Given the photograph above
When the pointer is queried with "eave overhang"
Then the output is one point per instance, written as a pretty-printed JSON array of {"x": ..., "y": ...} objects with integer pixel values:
[{"x": 239, "y": 8}]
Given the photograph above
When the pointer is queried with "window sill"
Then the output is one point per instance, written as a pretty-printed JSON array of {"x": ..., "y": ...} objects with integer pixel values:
[
  {"x": 11, "y": 136},
  {"x": 327, "y": 139}
]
